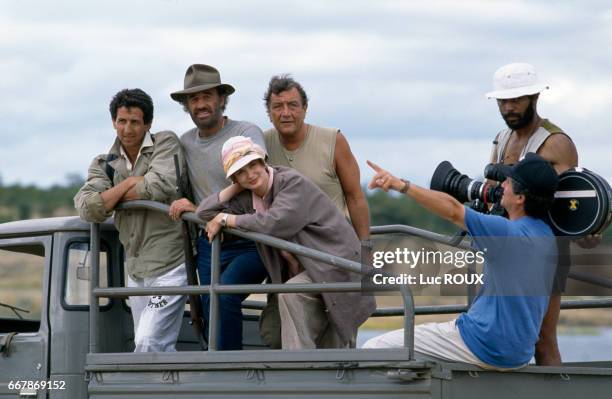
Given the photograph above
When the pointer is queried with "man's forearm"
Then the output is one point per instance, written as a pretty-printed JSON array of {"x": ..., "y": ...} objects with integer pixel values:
[
  {"x": 360, "y": 216},
  {"x": 115, "y": 194},
  {"x": 439, "y": 203},
  {"x": 130, "y": 195}
]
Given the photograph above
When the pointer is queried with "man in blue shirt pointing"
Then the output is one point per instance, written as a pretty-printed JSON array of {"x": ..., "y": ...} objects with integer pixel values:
[{"x": 501, "y": 327}]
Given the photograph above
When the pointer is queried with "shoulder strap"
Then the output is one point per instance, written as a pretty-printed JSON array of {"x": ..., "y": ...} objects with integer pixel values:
[
  {"x": 536, "y": 141},
  {"x": 551, "y": 127},
  {"x": 110, "y": 171},
  {"x": 499, "y": 145}
]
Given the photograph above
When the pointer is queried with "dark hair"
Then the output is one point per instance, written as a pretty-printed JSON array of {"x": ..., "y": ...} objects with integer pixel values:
[
  {"x": 535, "y": 205},
  {"x": 280, "y": 83},
  {"x": 133, "y": 98},
  {"x": 222, "y": 94}
]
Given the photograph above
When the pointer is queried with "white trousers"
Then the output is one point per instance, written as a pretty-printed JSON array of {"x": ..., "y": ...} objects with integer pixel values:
[
  {"x": 438, "y": 340},
  {"x": 157, "y": 319}
]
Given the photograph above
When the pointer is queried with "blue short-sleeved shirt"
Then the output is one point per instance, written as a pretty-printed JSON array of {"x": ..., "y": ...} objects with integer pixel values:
[{"x": 503, "y": 324}]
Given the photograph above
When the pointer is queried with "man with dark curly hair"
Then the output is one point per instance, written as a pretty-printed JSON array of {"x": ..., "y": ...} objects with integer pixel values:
[{"x": 140, "y": 165}]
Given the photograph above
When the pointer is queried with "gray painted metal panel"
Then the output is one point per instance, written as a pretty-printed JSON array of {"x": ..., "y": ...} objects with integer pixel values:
[
  {"x": 359, "y": 380},
  {"x": 29, "y": 352},
  {"x": 252, "y": 356},
  {"x": 70, "y": 328},
  {"x": 353, "y": 383},
  {"x": 567, "y": 385},
  {"x": 49, "y": 225}
]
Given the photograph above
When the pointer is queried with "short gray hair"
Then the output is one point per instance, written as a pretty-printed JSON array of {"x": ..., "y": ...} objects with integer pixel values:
[{"x": 280, "y": 83}]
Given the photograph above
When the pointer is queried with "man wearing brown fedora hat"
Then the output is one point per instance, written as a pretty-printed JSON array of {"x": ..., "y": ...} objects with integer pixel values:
[{"x": 205, "y": 97}]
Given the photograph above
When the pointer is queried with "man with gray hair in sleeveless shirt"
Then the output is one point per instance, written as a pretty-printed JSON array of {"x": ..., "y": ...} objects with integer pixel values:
[{"x": 319, "y": 153}]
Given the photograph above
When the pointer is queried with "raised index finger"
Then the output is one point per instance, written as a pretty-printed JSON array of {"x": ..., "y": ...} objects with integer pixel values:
[{"x": 374, "y": 166}]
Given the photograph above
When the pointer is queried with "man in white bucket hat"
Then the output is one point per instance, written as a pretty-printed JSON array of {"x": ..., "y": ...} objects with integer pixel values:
[
  {"x": 516, "y": 80},
  {"x": 517, "y": 88}
]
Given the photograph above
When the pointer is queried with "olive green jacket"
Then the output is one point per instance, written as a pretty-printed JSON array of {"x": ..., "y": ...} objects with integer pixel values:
[{"x": 152, "y": 241}]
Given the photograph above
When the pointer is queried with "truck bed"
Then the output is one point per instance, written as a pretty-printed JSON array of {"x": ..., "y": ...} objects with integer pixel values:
[{"x": 307, "y": 374}]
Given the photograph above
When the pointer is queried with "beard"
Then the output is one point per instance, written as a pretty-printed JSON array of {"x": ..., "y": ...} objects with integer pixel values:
[
  {"x": 210, "y": 122},
  {"x": 523, "y": 120}
]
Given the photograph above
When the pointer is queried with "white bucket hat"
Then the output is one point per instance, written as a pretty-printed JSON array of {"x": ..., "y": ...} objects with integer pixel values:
[
  {"x": 237, "y": 152},
  {"x": 515, "y": 80}
]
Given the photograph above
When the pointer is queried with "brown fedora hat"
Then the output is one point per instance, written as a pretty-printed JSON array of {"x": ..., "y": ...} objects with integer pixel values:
[{"x": 200, "y": 77}]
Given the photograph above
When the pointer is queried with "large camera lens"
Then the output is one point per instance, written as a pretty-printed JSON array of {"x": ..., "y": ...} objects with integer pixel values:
[
  {"x": 497, "y": 171},
  {"x": 449, "y": 180}
]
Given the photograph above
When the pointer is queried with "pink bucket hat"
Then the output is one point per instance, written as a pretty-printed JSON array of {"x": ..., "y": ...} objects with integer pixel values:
[{"x": 237, "y": 152}]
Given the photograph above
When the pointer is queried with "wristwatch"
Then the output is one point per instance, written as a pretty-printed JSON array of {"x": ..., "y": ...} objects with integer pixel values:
[
  {"x": 406, "y": 187},
  {"x": 224, "y": 219}
]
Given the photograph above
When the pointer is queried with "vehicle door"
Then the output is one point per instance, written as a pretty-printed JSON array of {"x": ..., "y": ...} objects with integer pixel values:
[
  {"x": 25, "y": 269},
  {"x": 69, "y": 317}
]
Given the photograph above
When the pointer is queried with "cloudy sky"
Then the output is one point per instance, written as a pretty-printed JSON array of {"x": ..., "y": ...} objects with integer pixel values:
[{"x": 404, "y": 80}]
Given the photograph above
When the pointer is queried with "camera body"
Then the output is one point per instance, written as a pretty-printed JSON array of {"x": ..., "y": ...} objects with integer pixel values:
[
  {"x": 582, "y": 204},
  {"x": 483, "y": 197}
]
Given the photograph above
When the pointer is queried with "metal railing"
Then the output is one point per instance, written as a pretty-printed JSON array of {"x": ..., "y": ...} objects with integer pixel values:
[{"x": 214, "y": 289}]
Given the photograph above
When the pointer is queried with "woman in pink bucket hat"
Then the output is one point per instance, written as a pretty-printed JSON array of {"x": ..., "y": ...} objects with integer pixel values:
[{"x": 280, "y": 202}]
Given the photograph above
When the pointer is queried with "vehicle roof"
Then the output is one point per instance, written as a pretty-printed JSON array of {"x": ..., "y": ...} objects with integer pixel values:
[{"x": 50, "y": 225}]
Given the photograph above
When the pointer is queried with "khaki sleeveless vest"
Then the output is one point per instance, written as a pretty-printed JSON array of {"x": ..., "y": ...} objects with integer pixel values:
[
  {"x": 533, "y": 144},
  {"x": 314, "y": 159}
]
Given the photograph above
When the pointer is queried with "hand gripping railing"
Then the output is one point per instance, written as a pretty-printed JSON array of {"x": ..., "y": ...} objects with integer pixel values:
[{"x": 214, "y": 288}]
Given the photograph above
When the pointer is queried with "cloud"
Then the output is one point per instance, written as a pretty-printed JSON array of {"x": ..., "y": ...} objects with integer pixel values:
[{"x": 412, "y": 72}]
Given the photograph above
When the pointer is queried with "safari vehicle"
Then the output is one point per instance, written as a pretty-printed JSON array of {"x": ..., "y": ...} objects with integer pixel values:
[{"x": 53, "y": 345}]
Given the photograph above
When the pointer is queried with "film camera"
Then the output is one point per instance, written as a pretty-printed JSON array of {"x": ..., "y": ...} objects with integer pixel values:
[
  {"x": 483, "y": 197},
  {"x": 582, "y": 204}
]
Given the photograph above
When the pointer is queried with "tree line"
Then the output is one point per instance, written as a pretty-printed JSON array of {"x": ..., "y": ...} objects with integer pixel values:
[{"x": 19, "y": 202}]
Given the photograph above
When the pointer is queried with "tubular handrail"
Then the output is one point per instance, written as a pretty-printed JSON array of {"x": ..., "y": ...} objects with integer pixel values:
[
  {"x": 214, "y": 288},
  {"x": 416, "y": 232},
  {"x": 342, "y": 263},
  {"x": 94, "y": 311},
  {"x": 454, "y": 308}
]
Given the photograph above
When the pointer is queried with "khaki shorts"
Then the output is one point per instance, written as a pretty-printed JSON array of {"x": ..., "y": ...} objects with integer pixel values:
[{"x": 438, "y": 340}]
